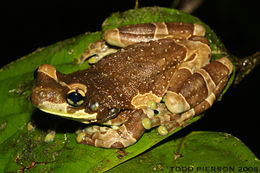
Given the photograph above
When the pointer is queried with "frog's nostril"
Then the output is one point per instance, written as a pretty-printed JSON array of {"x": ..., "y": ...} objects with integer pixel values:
[{"x": 38, "y": 95}]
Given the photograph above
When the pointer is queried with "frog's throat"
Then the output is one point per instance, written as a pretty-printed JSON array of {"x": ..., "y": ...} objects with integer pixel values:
[{"x": 61, "y": 110}]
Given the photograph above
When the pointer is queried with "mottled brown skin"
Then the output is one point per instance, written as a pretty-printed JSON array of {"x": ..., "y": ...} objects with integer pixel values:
[
  {"x": 131, "y": 70},
  {"x": 159, "y": 60}
]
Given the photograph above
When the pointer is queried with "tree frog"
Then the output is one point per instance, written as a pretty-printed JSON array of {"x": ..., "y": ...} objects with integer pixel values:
[{"x": 160, "y": 76}]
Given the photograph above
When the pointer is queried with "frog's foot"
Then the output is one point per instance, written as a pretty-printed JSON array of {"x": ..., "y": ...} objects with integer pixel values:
[
  {"x": 120, "y": 137},
  {"x": 95, "y": 52},
  {"x": 196, "y": 95}
]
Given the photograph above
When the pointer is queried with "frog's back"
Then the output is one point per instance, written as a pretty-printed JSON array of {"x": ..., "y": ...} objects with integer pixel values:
[{"x": 140, "y": 66}]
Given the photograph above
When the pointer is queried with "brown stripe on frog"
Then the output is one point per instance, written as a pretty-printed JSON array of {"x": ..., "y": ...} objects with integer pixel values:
[
  {"x": 177, "y": 30},
  {"x": 127, "y": 35},
  {"x": 211, "y": 85},
  {"x": 194, "y": 89},
  {"x": 218, "y": 69},
  {"x": 136, "y": 33},
  {"x": 180, "y": 30},
  {"x": 179, "y": 76}
]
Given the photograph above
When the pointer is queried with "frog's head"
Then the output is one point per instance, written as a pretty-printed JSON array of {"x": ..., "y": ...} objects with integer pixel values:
[{"x": 63, "y": 95}]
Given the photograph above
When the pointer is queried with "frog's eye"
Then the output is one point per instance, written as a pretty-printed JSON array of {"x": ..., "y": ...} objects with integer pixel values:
[{"x": 75, "y": 97}]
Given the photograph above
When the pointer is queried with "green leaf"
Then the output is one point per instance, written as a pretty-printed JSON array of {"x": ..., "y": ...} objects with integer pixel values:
[
  {"x": 24, "y": 149},
  {"x": 196, "y": 152}
]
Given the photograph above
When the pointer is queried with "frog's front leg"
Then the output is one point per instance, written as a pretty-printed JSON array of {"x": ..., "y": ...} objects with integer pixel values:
[
  {"x": 196, "y": 95},
  {"x": 126, "y": 134},
  {"x": 96, "y": 51}
]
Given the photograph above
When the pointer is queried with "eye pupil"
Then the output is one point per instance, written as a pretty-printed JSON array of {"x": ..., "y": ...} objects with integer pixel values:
[{"x": 75, "y": 98}]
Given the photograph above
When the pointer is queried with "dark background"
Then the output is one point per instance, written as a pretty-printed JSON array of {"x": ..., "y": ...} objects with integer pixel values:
[{"x": 29, "y": 24}]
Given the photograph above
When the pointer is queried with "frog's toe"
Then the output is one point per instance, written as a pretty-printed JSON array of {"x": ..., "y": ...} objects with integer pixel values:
[
  {"x": 147, "y": 124},
  {"x": 106, "y": 137},
  {"x": 86, "y": 136},
  {"x": 162, "y": 130}
]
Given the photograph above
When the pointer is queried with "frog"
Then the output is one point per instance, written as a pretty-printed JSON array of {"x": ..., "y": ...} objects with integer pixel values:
[{"x": 144, "y": 76}]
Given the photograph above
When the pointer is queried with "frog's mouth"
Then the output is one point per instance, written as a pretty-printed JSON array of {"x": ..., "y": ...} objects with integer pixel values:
[{"x": 62, "y": 110}]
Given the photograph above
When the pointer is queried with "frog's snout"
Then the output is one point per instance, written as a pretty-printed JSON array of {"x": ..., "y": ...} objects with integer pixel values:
[
  {"x": 40, "y": 95},
  {"x": 35, "y": 96}
]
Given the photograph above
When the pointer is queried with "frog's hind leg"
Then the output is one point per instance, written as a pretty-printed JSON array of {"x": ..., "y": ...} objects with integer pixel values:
[
  {"x": 136, "y": 33},
  {"x": 198, "y": 93},
  {"x": 122, "y": 136},
  {"x": 199, "y": 86}
]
